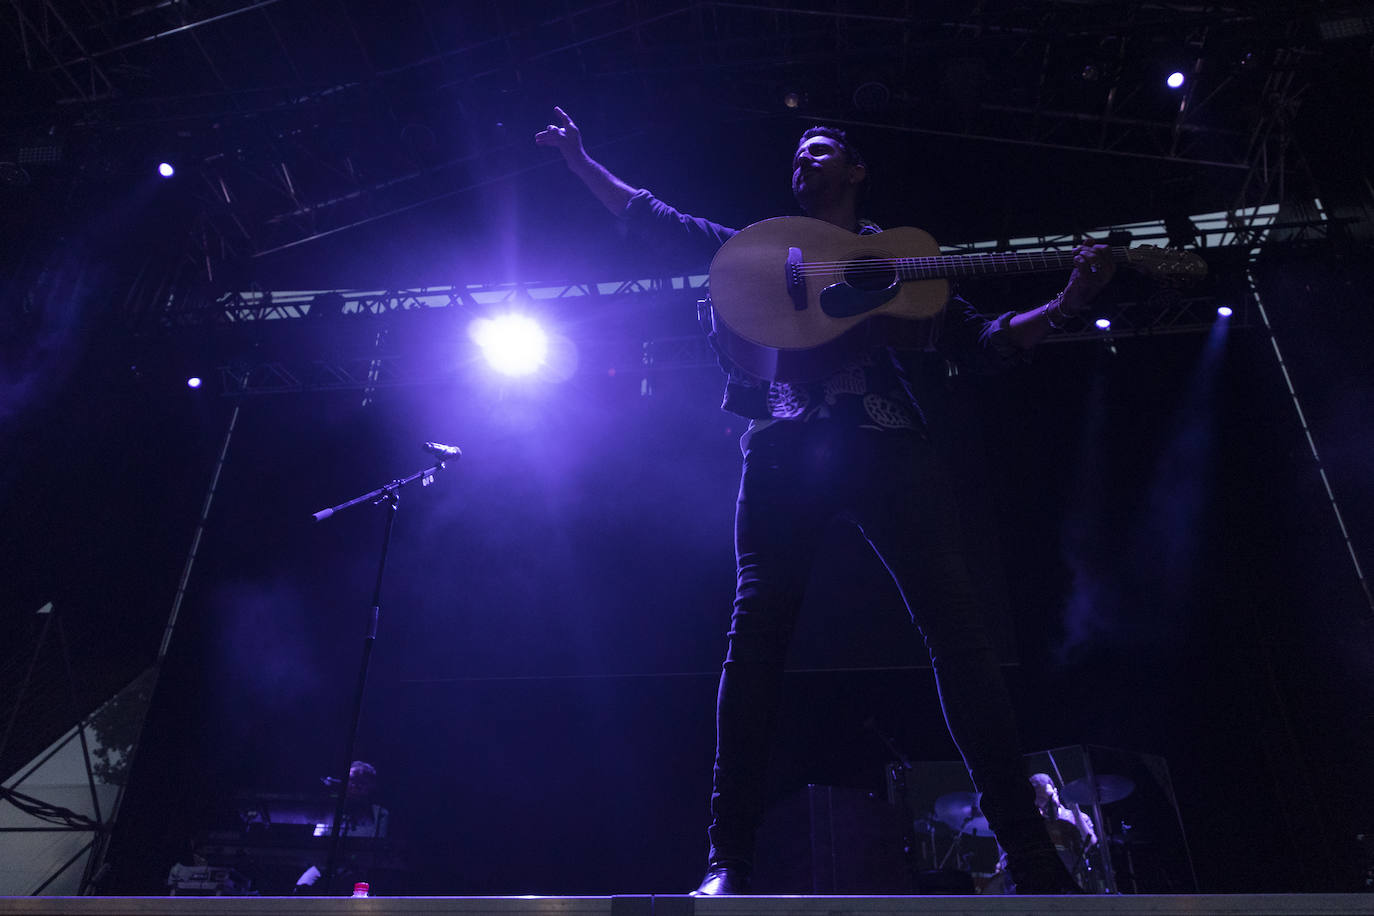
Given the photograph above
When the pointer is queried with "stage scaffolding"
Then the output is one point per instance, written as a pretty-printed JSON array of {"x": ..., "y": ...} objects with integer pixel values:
[{"x": 1229, "y": 241}]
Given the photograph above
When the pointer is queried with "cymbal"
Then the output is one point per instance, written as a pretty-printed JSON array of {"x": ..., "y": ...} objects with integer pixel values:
[
  {"x": 1110, "y": 788},
  {"x": 959, "y": 811}
]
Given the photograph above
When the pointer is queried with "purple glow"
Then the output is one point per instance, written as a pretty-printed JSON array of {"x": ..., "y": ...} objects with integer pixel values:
[
  {"x": 165, "y": 169},
  {"x": 193, "y": 382},
  {"x": 1103, "y": 324},
  {"x": 1175, "y": 79},
  {"x": 512, "y": 344},
  {"x": 1225, "y": 311}
]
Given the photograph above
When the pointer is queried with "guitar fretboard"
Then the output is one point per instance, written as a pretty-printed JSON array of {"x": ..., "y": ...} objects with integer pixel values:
[{"x": 985, "y": 265}]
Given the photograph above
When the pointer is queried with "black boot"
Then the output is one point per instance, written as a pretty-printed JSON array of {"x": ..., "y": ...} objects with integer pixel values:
[{"x": 724, "y": 878}]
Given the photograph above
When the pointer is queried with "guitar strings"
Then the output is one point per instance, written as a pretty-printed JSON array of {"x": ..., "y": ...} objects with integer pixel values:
[
  {"x": 1050, "y": 260},
  {"x": 951, "y": 261}
]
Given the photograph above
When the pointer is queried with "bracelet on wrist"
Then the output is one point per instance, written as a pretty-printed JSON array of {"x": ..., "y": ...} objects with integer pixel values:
[{"x": 1055, "y": 314}]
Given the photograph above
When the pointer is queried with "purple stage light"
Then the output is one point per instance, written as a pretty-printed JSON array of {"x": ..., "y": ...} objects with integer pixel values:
[
  {"x": 193, "y": 382},
  {"x": 165, "y": 169},
  {"x": 1175, "y": 80},
  {"x": 512, "y": 344},
  {"x": 1225, "y": 311},
  {"x": 1103, "y": 324}
]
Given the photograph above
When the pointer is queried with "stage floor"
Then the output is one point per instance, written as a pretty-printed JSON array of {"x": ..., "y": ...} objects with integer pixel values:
[{"x": 646, "y": 905}]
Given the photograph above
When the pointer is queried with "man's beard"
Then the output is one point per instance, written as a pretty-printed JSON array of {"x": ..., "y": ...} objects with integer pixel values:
[{"x": 815, "y": 190}]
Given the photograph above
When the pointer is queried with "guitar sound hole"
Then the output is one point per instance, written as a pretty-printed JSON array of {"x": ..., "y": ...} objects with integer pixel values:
[{"x": 870, "y": 274}]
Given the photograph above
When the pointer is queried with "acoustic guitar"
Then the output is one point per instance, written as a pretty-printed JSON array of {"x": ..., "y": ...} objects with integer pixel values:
[{"x": 795, "y": 298}]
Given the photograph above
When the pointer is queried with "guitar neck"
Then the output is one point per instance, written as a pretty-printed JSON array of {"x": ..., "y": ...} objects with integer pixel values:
[{"x": 992, "y": 264}]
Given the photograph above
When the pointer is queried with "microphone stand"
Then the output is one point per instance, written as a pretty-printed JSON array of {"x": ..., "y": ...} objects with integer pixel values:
[{"x": 390, "y": 494}]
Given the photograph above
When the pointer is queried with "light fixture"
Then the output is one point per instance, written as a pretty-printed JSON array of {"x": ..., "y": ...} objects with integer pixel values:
[{"x": 513, "y": 344}]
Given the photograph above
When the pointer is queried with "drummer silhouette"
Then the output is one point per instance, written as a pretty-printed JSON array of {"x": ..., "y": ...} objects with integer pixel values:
[
  {"x": 1053, "y": 810},
  {"x": 1071, "y": 829}
]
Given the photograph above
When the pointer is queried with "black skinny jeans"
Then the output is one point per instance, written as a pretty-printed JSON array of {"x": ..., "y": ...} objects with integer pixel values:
[{"x": 890, "y": 484}]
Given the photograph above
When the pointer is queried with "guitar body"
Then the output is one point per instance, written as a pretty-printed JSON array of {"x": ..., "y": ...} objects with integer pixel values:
[{"x": 794, "y": 299}]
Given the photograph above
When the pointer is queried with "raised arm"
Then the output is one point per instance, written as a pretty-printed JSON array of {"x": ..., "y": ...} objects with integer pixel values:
[
  {"x": 660, "y": 226},
  {"x": 564, "y": 136}
]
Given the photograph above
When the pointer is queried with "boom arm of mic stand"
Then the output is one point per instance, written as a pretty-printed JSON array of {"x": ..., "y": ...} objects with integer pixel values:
[{"x": 377, "y": 495}]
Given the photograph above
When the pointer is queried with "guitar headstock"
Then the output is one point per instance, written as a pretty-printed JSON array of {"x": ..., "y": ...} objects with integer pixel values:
[{"x": 1167, "y": 265}]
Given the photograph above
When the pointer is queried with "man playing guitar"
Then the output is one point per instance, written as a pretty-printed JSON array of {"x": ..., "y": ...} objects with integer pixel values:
[{"x": 851, "y": 443}]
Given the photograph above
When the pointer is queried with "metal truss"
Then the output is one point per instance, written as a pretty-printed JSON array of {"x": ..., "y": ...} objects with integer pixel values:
[
  {"x": 1231, "y": 239},
  {"x": 362, "y": 373},
  {"x": 1166, "y": 312},
  {"x": 38, "y": 697},
  {"x": 238, "y": 307},
  {"x": 291, "y": 147},
  {"x": 1213, "y": 232}
]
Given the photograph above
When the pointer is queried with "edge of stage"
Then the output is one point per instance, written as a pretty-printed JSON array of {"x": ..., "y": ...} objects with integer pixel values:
[{"x": 676, "y": 905}]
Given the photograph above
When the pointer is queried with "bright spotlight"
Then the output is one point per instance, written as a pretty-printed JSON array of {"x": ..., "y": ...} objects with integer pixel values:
[
  {"x": 1225, "y": 311},
  {"x": 1175, "y": 80},
  {"x": 512, "y": 344},
  {"x": 165, "y": 169},
  {"x": 1103, "y": 324},
  {"x": 193, "y": 382}
]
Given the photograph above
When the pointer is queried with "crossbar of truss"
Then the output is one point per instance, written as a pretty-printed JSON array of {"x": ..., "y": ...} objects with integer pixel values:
[{"x": 1217, "y": 230}]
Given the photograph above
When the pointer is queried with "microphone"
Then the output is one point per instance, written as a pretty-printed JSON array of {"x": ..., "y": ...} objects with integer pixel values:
[{"x": 441, "y": 451}]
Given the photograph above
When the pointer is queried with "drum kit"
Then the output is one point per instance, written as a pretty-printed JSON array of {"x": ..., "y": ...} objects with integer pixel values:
[{"x": 959, "y": 811}]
